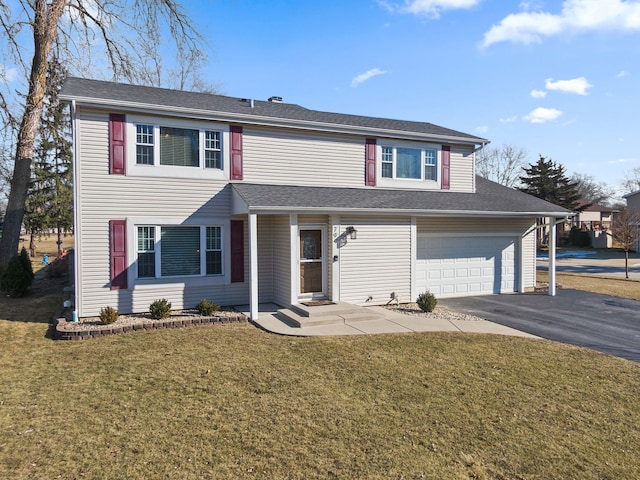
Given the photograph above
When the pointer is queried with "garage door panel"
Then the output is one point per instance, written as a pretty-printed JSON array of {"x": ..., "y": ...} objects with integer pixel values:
[{"x": 457, "y": 266}]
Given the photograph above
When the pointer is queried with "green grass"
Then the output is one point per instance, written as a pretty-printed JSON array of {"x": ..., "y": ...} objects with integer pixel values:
[
  {"x": 231, "y": 401},
  {"x": 616, "y": 286}
]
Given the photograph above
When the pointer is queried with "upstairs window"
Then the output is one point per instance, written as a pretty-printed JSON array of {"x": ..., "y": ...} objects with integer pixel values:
[
  {"x": 180, "y": 147},
  {"x": 409, "y": 163},
  {"x": 144, "y": 144}
]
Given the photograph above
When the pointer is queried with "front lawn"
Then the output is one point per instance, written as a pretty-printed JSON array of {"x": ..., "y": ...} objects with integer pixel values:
[{"x": 232, "y": 401}]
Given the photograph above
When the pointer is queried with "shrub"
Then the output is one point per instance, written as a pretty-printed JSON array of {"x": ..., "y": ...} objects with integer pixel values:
[
  {"x": 58, "y": 268},
  {"x": 160, "y": 309},
  {"x": 427, "y": 301},
  {"x": 108, "y": 315},
  {"x": 16, "y": 278},
  {"x": 207, "y": 307},
  {"x": 26, "y": 262}
]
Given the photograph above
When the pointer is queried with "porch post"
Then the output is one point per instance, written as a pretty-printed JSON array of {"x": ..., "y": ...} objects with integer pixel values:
[
  {"x": 521, "y": 264},
  {"x": 552, "y": 256},
  {"x": 253, "y": 266},
  {"x": 333, "y": 252}
]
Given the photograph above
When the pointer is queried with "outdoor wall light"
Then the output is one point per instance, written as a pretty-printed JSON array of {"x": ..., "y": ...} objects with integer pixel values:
[{"x": 352, "y": 232}]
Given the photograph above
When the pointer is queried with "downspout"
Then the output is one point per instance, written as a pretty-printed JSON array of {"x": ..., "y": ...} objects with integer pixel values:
[
  {"x": 482, "y": 145},
  {"x": 76, "y": 213}
]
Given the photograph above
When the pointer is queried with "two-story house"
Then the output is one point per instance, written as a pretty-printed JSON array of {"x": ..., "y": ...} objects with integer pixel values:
[{"x": 184, "y": 196}]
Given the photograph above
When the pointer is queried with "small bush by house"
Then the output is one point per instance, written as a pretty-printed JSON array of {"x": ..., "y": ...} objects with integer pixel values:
[
  {"x": 160, "y": 309},
  {"x": 427, "y": 301},
  {"x": 207, "y": 307}
]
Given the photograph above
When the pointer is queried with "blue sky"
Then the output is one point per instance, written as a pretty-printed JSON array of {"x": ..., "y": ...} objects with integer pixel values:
[{"x": 558, "y": 78}]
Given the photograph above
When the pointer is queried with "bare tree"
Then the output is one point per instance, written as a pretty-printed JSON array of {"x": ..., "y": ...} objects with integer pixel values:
[
  {"x": 631, "y": 181},
  {"x": 83, "y": 30},
  {"x": 502, "y": 164},
  {"x": 625, "y": 231},
  {"x": 591, "y": 190}
]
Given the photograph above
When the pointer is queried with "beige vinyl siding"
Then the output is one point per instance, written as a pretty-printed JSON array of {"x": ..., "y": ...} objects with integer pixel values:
[
  {"x": 292, "y": 158},
  {"x": 265, "y": 259},
  {"x": 378, "y": 262},
  {"x": 462, "y": 174},
  {"x": 107, "y": 197},
  {"x": 281, "y": 280},
  {"x": 529, "y": 246}
]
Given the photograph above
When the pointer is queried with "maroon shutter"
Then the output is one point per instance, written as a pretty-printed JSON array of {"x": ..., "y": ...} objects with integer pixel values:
[
  {"x": 446, "y": 166},
  {"x": 236, "y": 153},
  {"x": 117, "y": 143},
  {"x": 237, "y": 251},
  {"x": 370, "y": 162},
  {"x": 118, "y": 253}
]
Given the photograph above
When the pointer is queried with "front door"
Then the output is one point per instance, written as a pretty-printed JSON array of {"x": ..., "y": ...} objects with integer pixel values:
[{"x": 311, "y": 261}]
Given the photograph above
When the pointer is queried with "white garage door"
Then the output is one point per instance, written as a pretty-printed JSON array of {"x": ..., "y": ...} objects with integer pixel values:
[{"x": 459, "y": 266}]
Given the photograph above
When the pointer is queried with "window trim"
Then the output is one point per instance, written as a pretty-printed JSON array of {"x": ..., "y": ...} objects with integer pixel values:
[
  {"x": 417, "y": 183},
  {"x": 159, "y": 278},
  {"x": 176, "y": 171}
]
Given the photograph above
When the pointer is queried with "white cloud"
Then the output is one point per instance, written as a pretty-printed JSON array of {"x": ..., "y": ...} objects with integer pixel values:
[
  {"x": 542, "y": 115},
  {"x": 538, "y": 93},
  {"x": 482, "y": 129},
  {"x": 622, "y": 161},
  {"x": 623, "y": 73},
  {"x": 8, "y": 74},
  {"x": 429, "y": 8},
  {"x": 509, "y": 119},
  {"x": 363, "y": 77},
  {"x": 578, "y": 85},
  {"x": 576, "y": 16}
]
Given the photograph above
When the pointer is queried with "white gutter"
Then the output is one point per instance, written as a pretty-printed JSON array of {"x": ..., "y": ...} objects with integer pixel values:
[{"x": 406, "y": 212}]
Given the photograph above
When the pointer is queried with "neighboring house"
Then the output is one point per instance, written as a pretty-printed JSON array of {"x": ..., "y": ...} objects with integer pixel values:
[
  {"x": 633, "y": 204},
  {"x": 594, "y": 216},
  {"x": 185, "y": 196},
  {"x": 597, "y": 220}
]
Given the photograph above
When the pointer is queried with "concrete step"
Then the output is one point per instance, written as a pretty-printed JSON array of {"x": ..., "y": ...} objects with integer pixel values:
[
  {"x": 362, "y": 316},
  {"x": 338, "y": 308},
  {"x": 303, "y": 316}
]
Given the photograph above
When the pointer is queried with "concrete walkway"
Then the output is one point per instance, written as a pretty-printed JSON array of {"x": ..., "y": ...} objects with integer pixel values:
[{"x": 394, "y": 322}]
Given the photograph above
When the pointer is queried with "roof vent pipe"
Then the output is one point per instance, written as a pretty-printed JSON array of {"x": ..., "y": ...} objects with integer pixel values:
[
  {"x": 252, "y": 104},
  {"x": 275, "y": 99}
]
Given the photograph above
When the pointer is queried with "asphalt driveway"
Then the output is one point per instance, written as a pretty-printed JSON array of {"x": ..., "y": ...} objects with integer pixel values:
[{"x": 604, "y": 323}]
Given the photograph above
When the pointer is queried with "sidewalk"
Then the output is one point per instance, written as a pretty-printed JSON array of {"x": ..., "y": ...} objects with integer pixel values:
[{"x": 394, "y": 322}]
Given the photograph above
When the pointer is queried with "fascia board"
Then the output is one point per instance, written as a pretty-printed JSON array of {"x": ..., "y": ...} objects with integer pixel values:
[{"x": 394, "y": 211}]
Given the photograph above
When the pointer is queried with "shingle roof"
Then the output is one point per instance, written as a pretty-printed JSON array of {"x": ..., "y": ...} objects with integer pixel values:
[
  {"x": 490, "y": 199},
  {"x": 123, "y": 95}
]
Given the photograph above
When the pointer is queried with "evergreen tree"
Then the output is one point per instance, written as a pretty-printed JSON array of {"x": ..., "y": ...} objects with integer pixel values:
[
  {"x": 49, "y": 205},
  {"x": 547, "y": 180}
]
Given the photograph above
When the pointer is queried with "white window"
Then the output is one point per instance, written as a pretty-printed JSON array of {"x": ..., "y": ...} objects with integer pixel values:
[
  {"x": 212, "y": 149},
  {"x": 144, "y": 144},
  {"x": 399, "y": 162},
  {"x": 177, "y": 148},
  {"x": 178, "y": 251}
]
